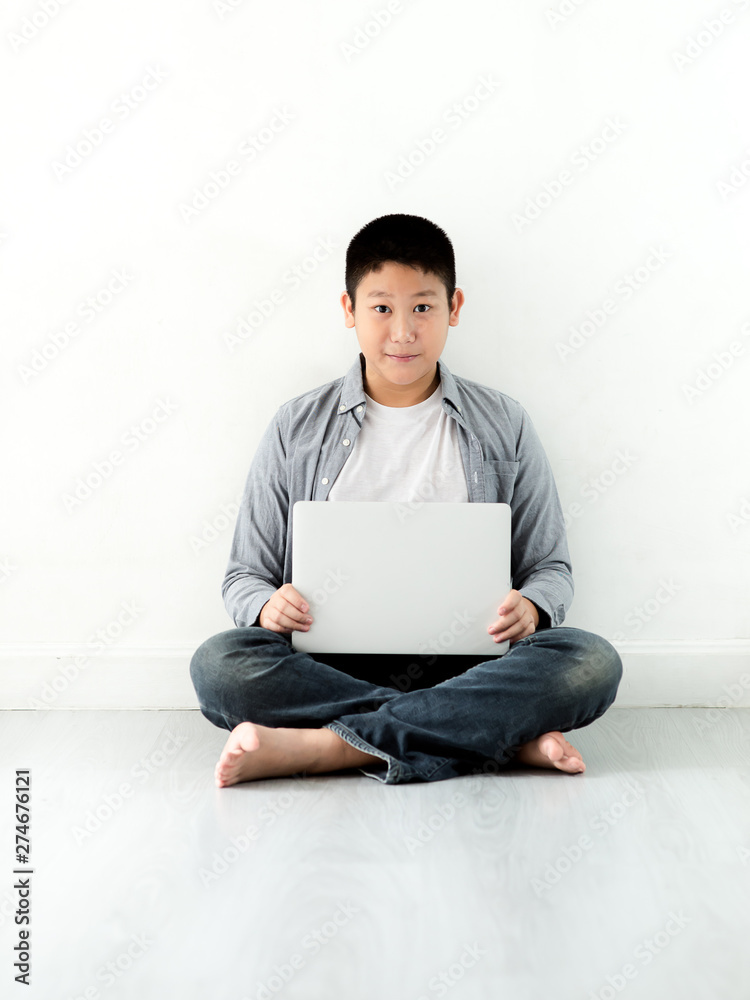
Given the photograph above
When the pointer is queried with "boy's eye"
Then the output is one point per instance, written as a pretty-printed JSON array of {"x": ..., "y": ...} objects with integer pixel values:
[{"x": 421, "y": 305}]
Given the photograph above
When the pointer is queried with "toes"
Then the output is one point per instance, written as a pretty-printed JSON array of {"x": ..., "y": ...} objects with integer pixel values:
[
  {"x": 552, "y": 748},
  {"x": 574, "y": 765},
  {"x": 225, "y": 769}
]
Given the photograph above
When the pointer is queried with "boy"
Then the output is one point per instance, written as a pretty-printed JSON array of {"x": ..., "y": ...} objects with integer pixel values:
[{"x": 398, "y": 420}]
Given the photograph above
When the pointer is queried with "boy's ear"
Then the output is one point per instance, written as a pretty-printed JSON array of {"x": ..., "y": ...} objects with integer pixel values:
[
  {"x": 346, "y": 304},
  {"x": 456, "y": 304}
]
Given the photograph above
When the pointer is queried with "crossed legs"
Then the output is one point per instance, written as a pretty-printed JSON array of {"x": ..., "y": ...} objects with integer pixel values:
[{"x": 289, "y": 713}]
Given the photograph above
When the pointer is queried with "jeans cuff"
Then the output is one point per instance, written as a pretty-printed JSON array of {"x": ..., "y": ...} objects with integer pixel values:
[{"x": 395, "y": 771}]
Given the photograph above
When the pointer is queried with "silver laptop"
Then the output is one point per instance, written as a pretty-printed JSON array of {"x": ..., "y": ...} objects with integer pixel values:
[{"x": 412, "y": 578}]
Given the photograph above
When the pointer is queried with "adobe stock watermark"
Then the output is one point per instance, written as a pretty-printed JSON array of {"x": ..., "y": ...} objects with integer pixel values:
[
  {"x": 563, "y": 12},
  {"x": 717, "y": 367},
  {"x": 709, "y": 30},
  {"x": 733, "y": 693},
  {"x": 644, "y": 954},
  {"x": 624, "y": 289},
  {"x": 595, "y": 488},
  {"x": 581, "y": 160},
  {"x": 405, "y": 682},
  {"x": 7, "y": 569},
  {"x": 104, "y": 637},
  {"x": 119, "y": 110},
  {"x": 224, "y": 7},
  {"x": 454, "y": 117},
  {"x": 741, "y": 519},
  {"x": 737, "y": 179},
  {"x": 311, "y": 944},
  {"x": 88, "y": 310},
  {"x": 113, "y": 802},
  {"x": 554, "y": 871},
  {"x": 260, "y": 310},
  {"x": 370, "y": 29},
  {"x": 435, "y": 823},
  {"x": 333, "y": 582},
  {"x": 247, "y": 151},
  {"x": 444, "y": 814},
  {"x": 426, "y": 491},
  {"x": 130, "y": 441},
  {"x": 34, "y": 23},
  {"x": 440, "y": 983},
  {"x": 439, "y": 645},
  {"x": 447, "y": 637},
  {"x": 221, "y": 861},
  {"x": 211, "y": 530},
  {"x": 110, "y": 972},
  {"x": 642, "y": 614},
  {"x": 497, "y": 761}
]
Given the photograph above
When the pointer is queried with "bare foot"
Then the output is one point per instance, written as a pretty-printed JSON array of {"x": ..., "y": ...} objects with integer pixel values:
[
  {"x": 551, "y": 750},
  {"x": 255, "y": 751}
]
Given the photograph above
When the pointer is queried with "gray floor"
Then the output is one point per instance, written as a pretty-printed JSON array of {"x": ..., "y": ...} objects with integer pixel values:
[{"x": 151, "y": 882}]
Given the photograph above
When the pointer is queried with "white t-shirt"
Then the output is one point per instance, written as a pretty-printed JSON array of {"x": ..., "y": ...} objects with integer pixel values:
[{"x": 403, "y": 454}]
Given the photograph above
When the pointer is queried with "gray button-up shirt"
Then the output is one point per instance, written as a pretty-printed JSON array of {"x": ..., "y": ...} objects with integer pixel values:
[{"x": 302, "y": 451}]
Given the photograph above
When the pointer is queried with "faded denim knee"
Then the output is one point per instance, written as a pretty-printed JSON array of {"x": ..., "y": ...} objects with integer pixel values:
[{"x": 596, "y": 665}]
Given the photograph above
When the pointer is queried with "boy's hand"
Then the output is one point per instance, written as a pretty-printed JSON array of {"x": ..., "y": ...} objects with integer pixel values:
[
  {"x": 285, "y": 611},
  {"x": 518, "y": 619}
]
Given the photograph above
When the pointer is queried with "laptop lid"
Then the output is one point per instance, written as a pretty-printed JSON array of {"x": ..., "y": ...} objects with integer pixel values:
[{"x": 411, "y": 578}]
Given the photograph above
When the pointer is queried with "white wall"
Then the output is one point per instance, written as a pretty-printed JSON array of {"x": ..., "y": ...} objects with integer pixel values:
[{"x": 202, "y": 78}]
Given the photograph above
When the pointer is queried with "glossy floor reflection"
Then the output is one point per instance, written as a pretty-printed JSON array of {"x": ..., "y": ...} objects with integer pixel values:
[{"x": 149, "y": 882}]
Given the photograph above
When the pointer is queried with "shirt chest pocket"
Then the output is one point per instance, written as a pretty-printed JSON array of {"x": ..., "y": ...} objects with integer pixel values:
[{"x": 499, "y": 480}]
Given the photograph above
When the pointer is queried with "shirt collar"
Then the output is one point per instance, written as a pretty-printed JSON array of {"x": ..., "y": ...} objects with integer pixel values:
[{"x": 353, "y": 389}]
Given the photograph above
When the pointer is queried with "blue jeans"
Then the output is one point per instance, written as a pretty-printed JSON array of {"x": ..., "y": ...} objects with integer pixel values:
[{"x": 426, "y": 717}]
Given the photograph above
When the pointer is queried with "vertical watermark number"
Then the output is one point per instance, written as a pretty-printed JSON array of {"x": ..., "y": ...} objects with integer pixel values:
[{"x": 22, "y": 885}]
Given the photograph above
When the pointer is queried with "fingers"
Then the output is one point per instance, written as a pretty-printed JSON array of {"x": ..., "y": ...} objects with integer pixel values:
[
  {"x": 510, "y": 603},
  {"x": 516, "y": 621},
  {"x": 287, "y": 611},
  {"x": 519, "y": 629}
]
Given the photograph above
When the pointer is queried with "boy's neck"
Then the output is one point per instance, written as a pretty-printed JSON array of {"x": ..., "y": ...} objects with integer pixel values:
[{"x": 390, "y": 394}]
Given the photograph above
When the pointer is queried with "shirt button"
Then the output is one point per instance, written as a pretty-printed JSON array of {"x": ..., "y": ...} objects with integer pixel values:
[
  {"x": 324, "y": 482},
  {"x": 346, "y": 441},
  {"x": 359, "y": 409},
  {"x": 342, "y": 407}
]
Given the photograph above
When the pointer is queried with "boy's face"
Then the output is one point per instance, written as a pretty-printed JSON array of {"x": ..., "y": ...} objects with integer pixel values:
[{"x": 401, "y": 311}]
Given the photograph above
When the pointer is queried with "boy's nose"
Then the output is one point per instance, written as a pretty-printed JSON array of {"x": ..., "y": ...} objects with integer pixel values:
[{"x": 401, "y": 332}]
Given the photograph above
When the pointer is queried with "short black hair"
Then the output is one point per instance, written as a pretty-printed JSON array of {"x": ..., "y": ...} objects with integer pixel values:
[{"x": 400, "y": 239}]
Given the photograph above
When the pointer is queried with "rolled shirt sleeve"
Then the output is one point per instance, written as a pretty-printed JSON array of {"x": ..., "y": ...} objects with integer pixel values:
[
  {"x": 540, "y": 560},
  {"x": 256, "y": 562}
]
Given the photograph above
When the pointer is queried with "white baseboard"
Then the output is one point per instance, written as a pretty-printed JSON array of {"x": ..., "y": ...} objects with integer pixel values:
[
  {"x": 49, "y": 675},
  {"x": 707, "y": 674},
  {"x": 690, "y": 673}
]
